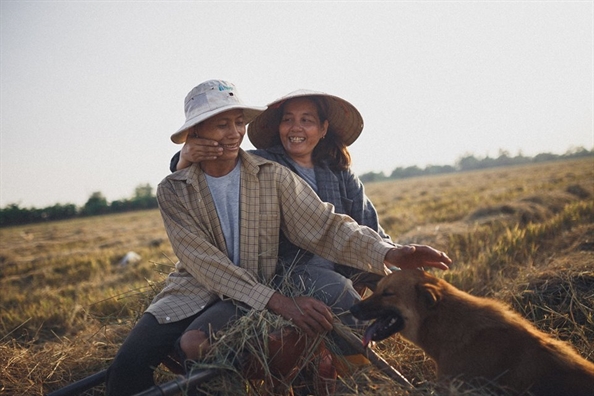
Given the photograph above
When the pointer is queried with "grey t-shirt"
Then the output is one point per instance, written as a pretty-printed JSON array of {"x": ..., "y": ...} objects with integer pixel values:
[{"x": 225, "y": 193}]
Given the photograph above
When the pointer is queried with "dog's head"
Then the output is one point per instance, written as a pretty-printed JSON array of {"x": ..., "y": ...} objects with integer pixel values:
[{"x": 399, "y": 304}]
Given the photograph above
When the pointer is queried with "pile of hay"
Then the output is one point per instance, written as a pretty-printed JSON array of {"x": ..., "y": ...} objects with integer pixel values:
[{"x": 561, "y": 302}]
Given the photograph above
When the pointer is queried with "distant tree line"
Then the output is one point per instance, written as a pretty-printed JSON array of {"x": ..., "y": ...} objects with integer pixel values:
[
  {"x": 143, "y": 198},
  {"x": 470, "y": 162}
]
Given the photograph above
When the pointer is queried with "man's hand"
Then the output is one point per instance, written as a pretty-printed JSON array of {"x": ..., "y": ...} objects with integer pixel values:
[
  {"x": 310, "y": 315},
  {"x": 417, "y": 256}
]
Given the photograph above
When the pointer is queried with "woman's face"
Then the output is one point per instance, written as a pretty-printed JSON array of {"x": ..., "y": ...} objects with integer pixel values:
[
  {"x": 300, "y": 129},
  {"x": 227, "y": 129}
]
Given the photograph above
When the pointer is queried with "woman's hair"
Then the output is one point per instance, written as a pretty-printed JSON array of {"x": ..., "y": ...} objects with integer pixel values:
[
  {"x": 333, "y": 151},
  {"x": 329, "y": 149}
]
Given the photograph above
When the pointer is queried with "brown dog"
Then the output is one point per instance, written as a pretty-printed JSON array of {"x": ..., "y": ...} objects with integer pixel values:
[{"x": 470, "y": 337}]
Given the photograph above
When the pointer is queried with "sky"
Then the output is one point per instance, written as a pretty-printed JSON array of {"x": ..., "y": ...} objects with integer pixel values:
[{"x": 92, "y": 90}]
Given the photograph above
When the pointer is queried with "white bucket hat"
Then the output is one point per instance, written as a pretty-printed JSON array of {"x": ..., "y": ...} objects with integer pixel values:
[
  {"x": 343, "y": 118},
  {"x": 209, "y": 99}
]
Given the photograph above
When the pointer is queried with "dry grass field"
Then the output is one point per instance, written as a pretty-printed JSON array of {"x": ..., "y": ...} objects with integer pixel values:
[{"x": 523, "y": 235}]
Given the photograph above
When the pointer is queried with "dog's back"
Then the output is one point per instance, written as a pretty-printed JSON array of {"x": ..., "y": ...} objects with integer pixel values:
[
  {"x": 509, "y": 348},
  {"x": 551, "y": 367}
]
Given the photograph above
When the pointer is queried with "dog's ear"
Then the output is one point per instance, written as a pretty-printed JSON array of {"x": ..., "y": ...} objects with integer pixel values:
[{"x": 428, "y": 294}]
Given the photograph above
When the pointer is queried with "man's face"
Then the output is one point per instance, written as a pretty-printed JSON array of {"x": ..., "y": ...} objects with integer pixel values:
[{"x": 227, "y": 128}]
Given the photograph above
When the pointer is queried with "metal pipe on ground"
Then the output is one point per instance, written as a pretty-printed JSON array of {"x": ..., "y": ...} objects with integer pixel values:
[
  {"x": 380, "y": 363},
  {"x": 181, "y": 384},
  {"x": 78, "y": 387}
]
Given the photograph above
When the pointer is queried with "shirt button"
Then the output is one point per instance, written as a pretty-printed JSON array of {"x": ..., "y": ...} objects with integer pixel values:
[{"x": 168, "y": 318}]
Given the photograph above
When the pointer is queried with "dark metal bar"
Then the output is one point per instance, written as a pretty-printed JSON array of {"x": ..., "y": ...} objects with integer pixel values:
[
  {"x": 181, "y": 384},
  {"x": 78, "y": 387},
  {"x": 386, "y": 368},
  {"x": 170, "y": 388},
  {"x": 374, "y": 358}
]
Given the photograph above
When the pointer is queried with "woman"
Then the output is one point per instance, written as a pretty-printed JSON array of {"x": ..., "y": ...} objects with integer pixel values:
[
  {"x": 308, "y": 132},
  {"x": 223, "y": 268}
]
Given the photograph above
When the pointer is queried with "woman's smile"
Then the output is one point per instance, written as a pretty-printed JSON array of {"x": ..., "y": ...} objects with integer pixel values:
[{"x": 296, "y": 139}]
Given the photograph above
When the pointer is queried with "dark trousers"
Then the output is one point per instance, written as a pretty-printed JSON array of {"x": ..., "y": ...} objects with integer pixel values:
[
  {"x": 144, "y": 349},
  {"x": 149, "y": 343}
]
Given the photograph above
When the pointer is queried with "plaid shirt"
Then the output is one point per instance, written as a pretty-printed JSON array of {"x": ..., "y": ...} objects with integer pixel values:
[
  {"x": 342, "y": 189},
  {"x": 272, "y": 198}
]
